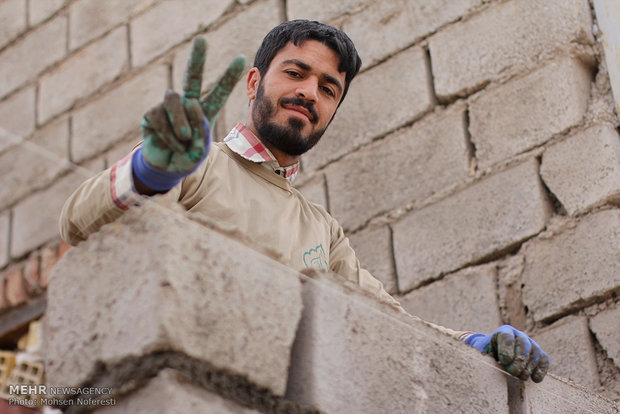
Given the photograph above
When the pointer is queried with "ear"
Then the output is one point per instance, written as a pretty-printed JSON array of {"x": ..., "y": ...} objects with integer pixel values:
[{"x": 252, "y": 81}]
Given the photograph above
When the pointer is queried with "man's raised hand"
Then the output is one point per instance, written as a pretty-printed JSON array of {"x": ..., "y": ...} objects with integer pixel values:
[{"x": 176, "y": 132}]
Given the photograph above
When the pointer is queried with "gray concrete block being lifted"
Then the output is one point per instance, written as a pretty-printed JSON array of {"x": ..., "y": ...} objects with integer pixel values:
[
  {"x": 355, "y": 355},
  {"x": 157, "y": 281}
]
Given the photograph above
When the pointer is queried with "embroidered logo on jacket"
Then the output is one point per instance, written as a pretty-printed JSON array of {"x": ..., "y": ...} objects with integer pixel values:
[{"x": 316, "y": 258}]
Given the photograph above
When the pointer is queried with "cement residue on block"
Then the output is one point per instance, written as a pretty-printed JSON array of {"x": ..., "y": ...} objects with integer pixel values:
[{"x": 156, "y": 281}]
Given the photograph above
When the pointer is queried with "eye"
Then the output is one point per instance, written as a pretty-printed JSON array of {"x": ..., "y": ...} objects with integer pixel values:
[
  {"x": 293, "y": 74},
  {"x": 328, "y": 91}
]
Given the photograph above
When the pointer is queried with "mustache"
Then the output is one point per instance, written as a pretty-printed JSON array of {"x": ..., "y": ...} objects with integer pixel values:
[{"x": 303, "y": 103}]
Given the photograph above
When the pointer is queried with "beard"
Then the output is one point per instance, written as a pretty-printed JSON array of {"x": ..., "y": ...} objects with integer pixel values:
[{"x": 288, "y": 138}]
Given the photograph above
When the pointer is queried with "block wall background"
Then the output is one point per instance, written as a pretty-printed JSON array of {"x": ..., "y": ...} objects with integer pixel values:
[{"x": 475, "y": 163}]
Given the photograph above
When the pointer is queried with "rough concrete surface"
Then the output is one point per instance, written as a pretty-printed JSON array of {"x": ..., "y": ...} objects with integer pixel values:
[
  {"x": 466, "y": 300},
  {"x": 489, "y": 216},
  {"x": 409, "y": 165},
  {"x": 35, "y": 162},
  {"x": 92, "y": 18},
  {"x": 190, "y": 290},
  {"x": 583, "y": 171},
  {"x": 605, "y": 327},
  {"x": 570, "y": 348},
  {"x": 353, "y": 356},
  {"x": 573, "y": 267},
  {"x": 384, "y": 27},
  {"x": 546, "y": 102},
  {"x": 171, "y": 392},
  {"x": 83, "y": 73},
  {"x": 365, "y": 114},
  {"x": 469, "y": 54},
  {"x": 373, "y": 248},
  {"x": 92, "y": 130},
  {"x": 559, "y": 396}
]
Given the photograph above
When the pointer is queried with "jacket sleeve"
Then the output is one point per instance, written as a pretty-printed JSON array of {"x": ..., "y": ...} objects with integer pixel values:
[
  {"x": 100, "y": 200},
  {"x": 342, "y": 260}
]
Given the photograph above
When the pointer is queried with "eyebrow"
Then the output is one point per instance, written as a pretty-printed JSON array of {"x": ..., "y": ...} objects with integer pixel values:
[{"x": 306, "y": 67}]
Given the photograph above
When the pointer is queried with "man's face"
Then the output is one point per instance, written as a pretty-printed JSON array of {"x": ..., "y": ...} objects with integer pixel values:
[{"x": 294, "y": 102}]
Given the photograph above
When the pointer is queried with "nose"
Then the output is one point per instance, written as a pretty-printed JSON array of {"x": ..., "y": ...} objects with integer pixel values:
[{"x": 308, "y": 89}]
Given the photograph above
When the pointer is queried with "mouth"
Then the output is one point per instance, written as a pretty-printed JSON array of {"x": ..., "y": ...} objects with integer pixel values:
[{"x": 299, "y": 111}]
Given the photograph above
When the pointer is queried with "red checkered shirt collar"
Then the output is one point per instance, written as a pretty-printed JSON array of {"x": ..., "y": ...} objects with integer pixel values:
[{"x": 243, "y": 142}]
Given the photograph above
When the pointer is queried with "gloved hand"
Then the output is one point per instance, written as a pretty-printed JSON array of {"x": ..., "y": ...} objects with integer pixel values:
[
  {"x": 514, "y": 350},
  {"x": 176, "y": 135}
]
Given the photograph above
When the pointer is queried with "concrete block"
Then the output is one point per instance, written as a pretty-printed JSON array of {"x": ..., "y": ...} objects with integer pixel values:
[
  {"x": 121, "y": 149},
  {"x": 235, "y": 110},
  {"x": 466, "y": 55},
  {"x": 382, "y": 28},
  {"x": 314, "y": 190},
  {"x": 150, "y": 37},
  {"x": 8, "y": 139},
  {"x": 354, "y": 355},
  {"x": 242, "y": 34},
  {"x": 605, "y": 327},
  {"x": 4, "y": 237},
  {"x": 580, "y": 264},
  {"x": 34, "y": 163},
  {"x": 583, "y": 171},
  {"x": 559, "y": 396},
  {"x": 373, "y": 248},
  {"x": 90, "y": 19},
  {"x": 208, "y": 297},
  {"x": 491, "y": 216},
  {"x": 23, "y": 60},
  {"x": 569, "y": 345},
  {"x": 509, "y": 292},
  {"x": 466, "y": 300},
  {"x": 92, "y": 130},
  {"x": 376, "y": 105},
  {"x": 35, "y": 219},
  {"x": 409, "y": 165},
  {"x": 38, "y": 11},
  {"x": 321, "y": 10},
  {"x": 83, "y": 74},
  {"x": 12, "y": 20},
  {"x": 171, "y": 389},
  {"x": 17, "y": 113},
  {"x": 527, "y": 112}
]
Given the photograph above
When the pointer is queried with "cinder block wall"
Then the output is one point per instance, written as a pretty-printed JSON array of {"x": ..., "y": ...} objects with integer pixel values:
[{"x": 475, "y": 163}]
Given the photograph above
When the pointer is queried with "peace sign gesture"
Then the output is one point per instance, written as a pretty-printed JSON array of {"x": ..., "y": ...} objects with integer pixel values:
[{"x": 176, "y": 132}]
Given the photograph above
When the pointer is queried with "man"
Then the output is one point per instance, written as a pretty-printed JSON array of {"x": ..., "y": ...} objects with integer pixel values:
[{"x": 301, "y": 74}]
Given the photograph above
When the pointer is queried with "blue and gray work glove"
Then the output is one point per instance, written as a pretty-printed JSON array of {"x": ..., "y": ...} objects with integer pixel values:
[
  {"x": 514, "y": 350},
  {"x": 175, "y": 133}
]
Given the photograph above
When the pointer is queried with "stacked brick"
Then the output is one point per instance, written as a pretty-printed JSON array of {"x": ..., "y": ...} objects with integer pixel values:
[
  {"x": 477, "y": 167},
  {"x": 255, "y": 336},
  {"x": 476, "y": 155}
]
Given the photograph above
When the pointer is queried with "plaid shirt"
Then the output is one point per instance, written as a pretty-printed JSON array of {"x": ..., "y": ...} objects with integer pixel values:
[
  {"x": 243, "y": 142},
  {"x": 240, "y": 140}
]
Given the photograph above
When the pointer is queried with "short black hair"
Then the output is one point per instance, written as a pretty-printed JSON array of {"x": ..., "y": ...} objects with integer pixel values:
[{"x": 298, "y": 31}]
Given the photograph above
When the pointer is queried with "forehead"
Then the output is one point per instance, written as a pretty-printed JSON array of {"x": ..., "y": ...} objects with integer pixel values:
[{"x": 318, "y": 56}]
